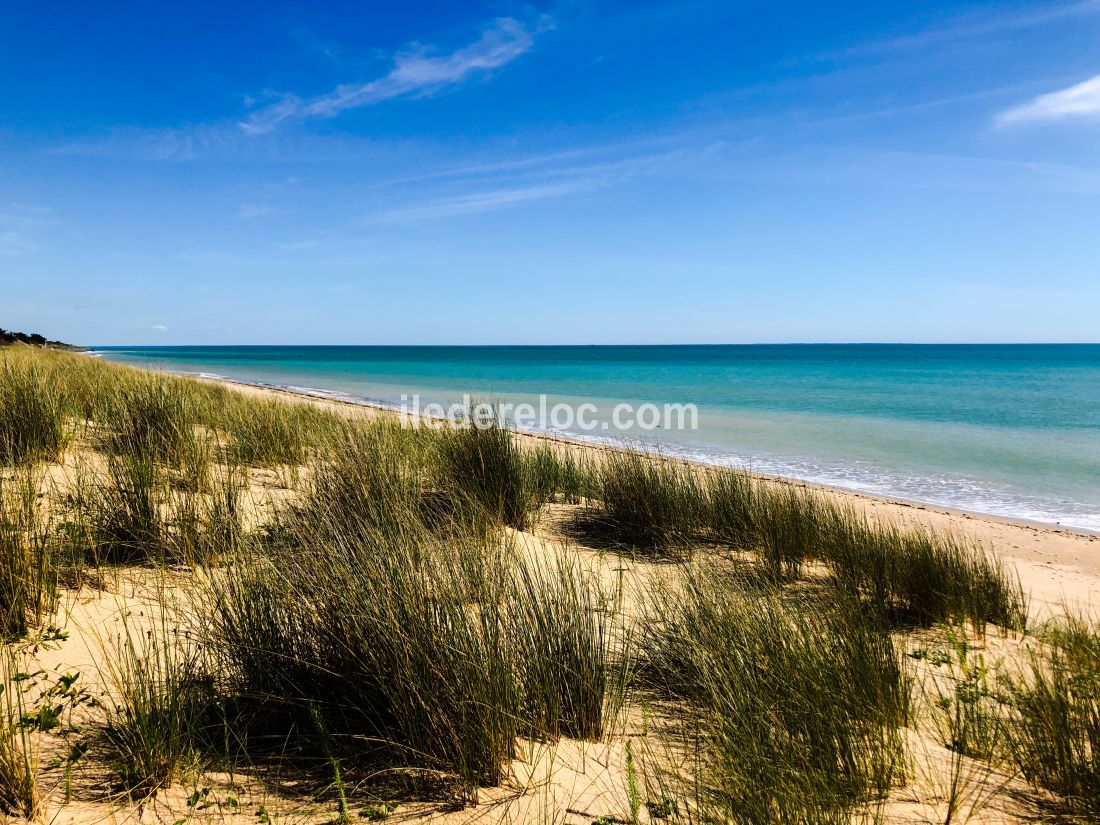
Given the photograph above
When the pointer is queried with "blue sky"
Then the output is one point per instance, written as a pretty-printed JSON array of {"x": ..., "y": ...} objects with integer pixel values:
[{"x": 574, "y": 172}]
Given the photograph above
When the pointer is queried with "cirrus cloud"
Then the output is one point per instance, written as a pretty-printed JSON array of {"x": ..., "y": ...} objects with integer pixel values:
[
  {"x": 414, "y": 72},
  {"x": 1082, "y": 100}
]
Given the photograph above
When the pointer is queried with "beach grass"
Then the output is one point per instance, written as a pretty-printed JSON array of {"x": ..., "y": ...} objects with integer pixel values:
[
  {"x": 28, "y": 571},
  {"x": 650, "y": 505},
  {"x": 1055, "y": 738},
  {"x": 796, "y": 705},
  {"x": 20, "y": 791},
  {"x": 571, "y": 665},
  {"x": 922, "y": 577},
  {"x": 485, "y": 466},
  {"x": 157, "y": 723},
  {"x": 34, "y": 411},
  {"x": 270, "y": 432},
  {"x": 372, "y": 631}
]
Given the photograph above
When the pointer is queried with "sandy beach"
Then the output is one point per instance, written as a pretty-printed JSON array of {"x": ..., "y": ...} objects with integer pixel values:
[{"x": 102, "y": 608}]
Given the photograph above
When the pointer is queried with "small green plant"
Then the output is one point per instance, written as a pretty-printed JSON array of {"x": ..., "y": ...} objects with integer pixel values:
[
  {"x": 378, "y": 813},
  {"x": 663, "y": 809},
  {"x": 268, "y": 433},
  {"x": 326, "y": 746},
  {"x": 634, "y": 798},
  {"x": 972, "y": 721}
]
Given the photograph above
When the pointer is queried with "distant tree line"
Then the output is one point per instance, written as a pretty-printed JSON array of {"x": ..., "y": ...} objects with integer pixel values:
[{"x": 34, "y": 339}]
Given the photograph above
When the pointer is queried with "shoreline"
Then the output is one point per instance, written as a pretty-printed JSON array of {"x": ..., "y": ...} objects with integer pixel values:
[
  {"x": 378, "y": 407},
  {"x": 1058, "y": 566}
]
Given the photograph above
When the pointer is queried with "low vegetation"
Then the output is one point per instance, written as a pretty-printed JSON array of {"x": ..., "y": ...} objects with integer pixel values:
[{"x": 381, "y": 616}]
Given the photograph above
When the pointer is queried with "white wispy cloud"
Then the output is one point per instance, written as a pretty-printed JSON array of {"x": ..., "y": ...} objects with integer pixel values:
[
  {"x": 415, "y": 72},
  {"x": 482, "y": 201},
  {"x": 1078, "y": 101},
  {"x": 969, "y": 26},
  {"x": 160, "y": 328},
  {"x": 250, "y": 211},
  {"x": 295, "y": 246},
  {"x": 539, "y": 184}
]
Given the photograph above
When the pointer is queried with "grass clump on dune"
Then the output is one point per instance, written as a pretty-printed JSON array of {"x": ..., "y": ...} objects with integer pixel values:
[
  {"x": 33, "y": 412},
  {"x": 1055, "y": 736},
  {"x": 20, "y": 795},
  {"x": 153, "y": 417},
  {"x": 120, "y": 515},
  {"x": 558, "y": 473},
  {"x": 570, "y": 669},
  {"x": 129, "y": 513},
  {"x": 158, "y": 722},
  {"x": 797, "y": 705},
  {"x": 372, "y": 477},
  {"x": 647, "y": 503},
  {"x": 914, "y": 575},
  {"x": 790, "y": 525},
  {"x": 270, "y": 432},
  {"x": 157, "y": 419},
  {"x": 373, "y": 632},
  {"x": 487, "y": 466},
  {"x": 28, "y": 579}
]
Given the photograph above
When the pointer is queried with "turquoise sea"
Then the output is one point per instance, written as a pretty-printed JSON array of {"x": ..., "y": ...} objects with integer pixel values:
[{"x": 1010, "y": 430}]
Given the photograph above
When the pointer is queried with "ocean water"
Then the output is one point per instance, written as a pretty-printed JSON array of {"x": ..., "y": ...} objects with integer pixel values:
[{"x": 1010, "y": 430}]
